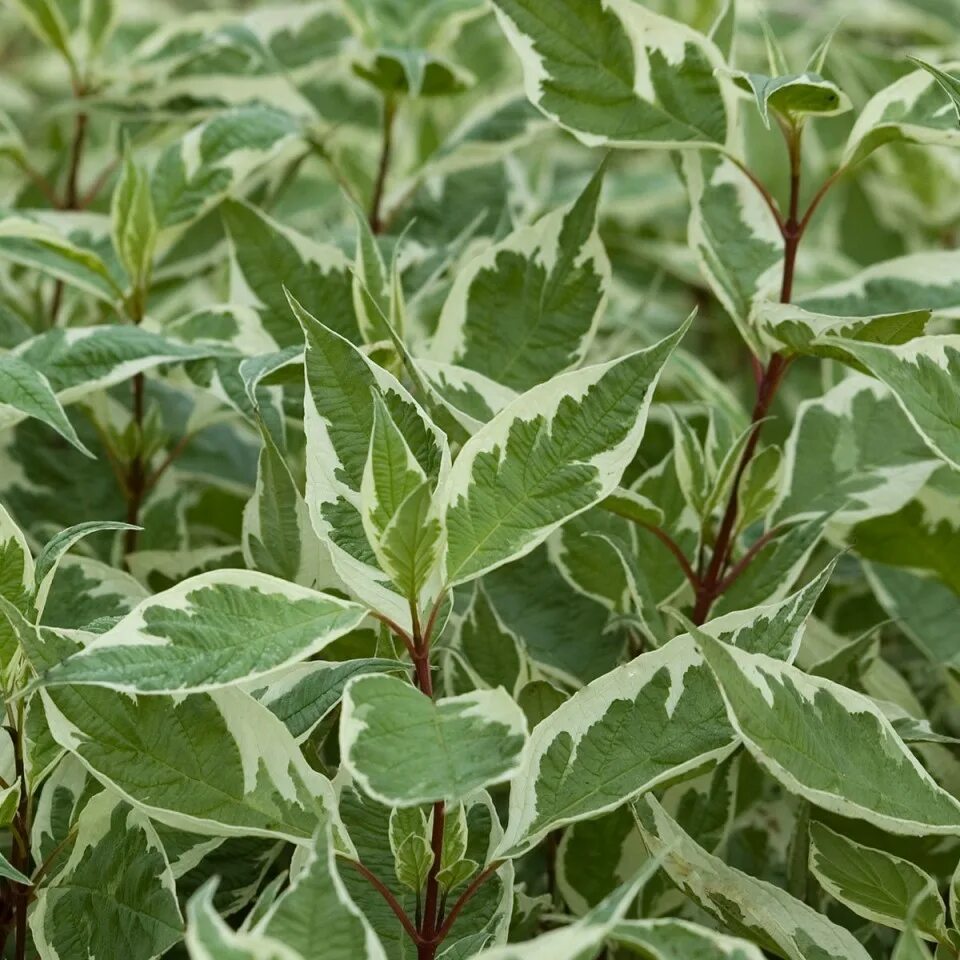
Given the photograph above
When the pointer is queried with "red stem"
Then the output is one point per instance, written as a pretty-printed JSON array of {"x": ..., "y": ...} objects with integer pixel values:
[
  {"x": 478, "y": 881},
  {"x": 713, "y": 583},
  {"x": 386, "y": 148},
  {"x": 675, "y": 550},
  {"x": 388, "y": 896},
  {"x": 731, "y": 578}
]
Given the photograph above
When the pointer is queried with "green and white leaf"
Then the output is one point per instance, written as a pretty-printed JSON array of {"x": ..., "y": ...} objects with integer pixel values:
[
  {"x": 213, "y": 158},
  {"x": 114, "y": 895},
  {"x": 397, "y": 507},
  {"x": 210, "y": 631},
  {"x": 789, "y": 328},
  {"x": 278, "y": 538},
  {"x": 645, "y": 723},
  {"x": 675, "y": 939},
  {"x": 853, "y": 454},
  {"x": 734, "y": 236},
  {"x": 338, "y": 421},
  {"x": 303, "y": 695},
  {"x": 922, "y": 375},
  {"x": 44, "y": 247},
  {"x": 619, "y": 74},
  {"x": 215, "y": 764},
  {"x": 554, "y": 452},
  {"x": 26, "y": 392},
  {"x": 877, "y": 885},
  {"x": 759, "y": 911},
  {"x": 913, "y": 109},
  {"x": 451, "y": 747},
  {"x": 828, "y": 744},
  {"x": 268, "y": 258},
  {"x": 792, "y": 96},
  {"x": 581, "y": 938},
  {"x": 316, "y": 908},
  {"x": 917, "y": 281},
  {"x": 526, "y": 309}
]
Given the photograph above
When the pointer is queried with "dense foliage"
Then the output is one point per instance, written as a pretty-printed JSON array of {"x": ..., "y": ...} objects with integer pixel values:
[{"x": 480, "y": 480}]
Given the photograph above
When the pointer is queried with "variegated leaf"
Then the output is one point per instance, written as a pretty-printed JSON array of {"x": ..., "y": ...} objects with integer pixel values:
[
  {"x": 922, "y": 375},
  {"x": 763, "y": 913},
  {"x": 385, "y": 717},
  {"x": 115, "y": 894},
  {"x": 913, "y": 109},
  {"x": 877, "y": 885},
  {"x": 213, "y": 158},
  {"x": 526, "y": 308},
  {"x": 828, "y": 743},
  {"x": 617, "y": 73},
  {"x": 551, "y": 454},
  {"x": 642, "y": 724},
  {"x": 210, "y": 631}
]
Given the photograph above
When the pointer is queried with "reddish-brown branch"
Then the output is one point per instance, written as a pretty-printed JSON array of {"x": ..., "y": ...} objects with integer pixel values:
[
  {"x": 478, "y": 881},
  {"x": 399, "y": 632},
  {"x": 731, "y": 578},
  {"x": 675, "y": 550},
  {"x": 388, "y": 896},
  {"x": 713, "y": 582},
  {"x": 428, "y": 929},
  {"x": 72, "y": 199},
  {"x": 386, "y": 149},
  {"x": 761, "y": 189}
]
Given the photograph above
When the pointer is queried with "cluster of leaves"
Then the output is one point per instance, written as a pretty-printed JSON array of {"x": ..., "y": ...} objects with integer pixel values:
[{"x": 480, "y": 480}]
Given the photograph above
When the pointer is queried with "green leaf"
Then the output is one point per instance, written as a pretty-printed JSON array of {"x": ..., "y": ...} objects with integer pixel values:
[
  {"x": 410, "y": 843},
  {"x": 412, "y": 72},
  {"x": 450, "y": 747},
  {"x": 526, "y": 309},
  {"x": 133, "y": 222},
  {"x": 759, "y": 911},
  {"x": 828, "y": 744},
  {"x": 619, "y": 74},
  {"x": 211, "y": 631},
  {"x": 114, "y": 895},
  {"x": 551, "y": 454},
  {"x": 922, "y": 375},
  {"x": 876, "y": 885},
  {"x": 25, "y": 391}
]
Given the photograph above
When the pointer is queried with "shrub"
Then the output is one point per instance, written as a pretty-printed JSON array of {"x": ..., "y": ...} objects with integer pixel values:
[{"x": 479, "y": 481}]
